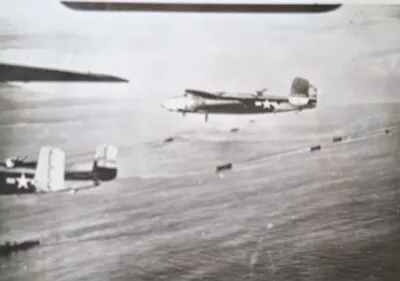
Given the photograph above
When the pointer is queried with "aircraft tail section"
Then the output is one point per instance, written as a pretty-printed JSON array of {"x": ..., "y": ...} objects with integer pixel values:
[
  {"x": 300, "y": 87},
  {"x": 49, "y": 174},
  {"x": 105, "y": 162},
  {"x": 302, "y": 92},
  {"x": 313, "y": 94}
]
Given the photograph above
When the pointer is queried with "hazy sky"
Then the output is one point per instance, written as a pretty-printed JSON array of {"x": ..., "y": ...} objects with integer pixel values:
[{"x": 351, "y": 54}]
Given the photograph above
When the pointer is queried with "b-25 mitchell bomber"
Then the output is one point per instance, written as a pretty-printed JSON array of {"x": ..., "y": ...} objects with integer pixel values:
[
  {"x": 302, "y": 96},
  {"x": 48, "y": 174}
]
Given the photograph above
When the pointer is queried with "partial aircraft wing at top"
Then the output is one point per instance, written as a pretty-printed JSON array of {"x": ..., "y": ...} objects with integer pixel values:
[
  {"x": 134, "y": 6},
  {"x": 23, "y": 73}
]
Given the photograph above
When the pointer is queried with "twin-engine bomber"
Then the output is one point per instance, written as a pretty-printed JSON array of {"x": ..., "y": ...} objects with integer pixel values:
[
  {"x": 302, "y": 96},
  {"x": 48, "y": 174}
]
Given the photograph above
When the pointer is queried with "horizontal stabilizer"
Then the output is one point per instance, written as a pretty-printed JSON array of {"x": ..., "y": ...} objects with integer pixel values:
[
  {"x": 49, "y": 174},
  {"x": 22, "y": 73}
]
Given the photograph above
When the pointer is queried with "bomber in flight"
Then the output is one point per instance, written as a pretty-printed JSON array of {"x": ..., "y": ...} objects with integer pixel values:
[
  {"x": 302, "y": 96},
  {"x": 48, "y": 174}
]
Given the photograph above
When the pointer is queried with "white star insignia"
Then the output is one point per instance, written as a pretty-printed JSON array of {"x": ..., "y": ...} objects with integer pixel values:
[{"x": 22, "y": 181}]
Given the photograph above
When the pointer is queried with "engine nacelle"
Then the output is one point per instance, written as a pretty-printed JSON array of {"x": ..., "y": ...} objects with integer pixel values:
[
  {"x": 9, "y": 163},
  {"x": 298, "y": 100}
]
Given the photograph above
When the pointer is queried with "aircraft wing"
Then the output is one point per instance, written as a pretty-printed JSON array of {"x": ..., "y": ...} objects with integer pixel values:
[
  {"x": 23, "y": 73},
  {"x": 253, "y": 98},
  {"x": 25, "y": 164},
  {"x": 203, "y": 94},
  {"x": 198, "y": 7},
  {"x": 276, "y": 98},
  {"x": 79, "y": 175},
  {"x": 239, "y": 97}
]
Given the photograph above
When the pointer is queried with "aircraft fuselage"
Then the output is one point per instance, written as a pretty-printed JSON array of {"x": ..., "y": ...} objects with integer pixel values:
[
  {"x": 194, "y": 105},
  {"x": 17, "y": 181}
]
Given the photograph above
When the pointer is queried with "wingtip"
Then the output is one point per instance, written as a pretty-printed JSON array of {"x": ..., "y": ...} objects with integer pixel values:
[{"x": 115, "y": 79}]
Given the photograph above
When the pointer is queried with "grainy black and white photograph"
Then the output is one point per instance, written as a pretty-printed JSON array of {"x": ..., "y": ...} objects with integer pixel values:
[{"x": 199, "y": 141}]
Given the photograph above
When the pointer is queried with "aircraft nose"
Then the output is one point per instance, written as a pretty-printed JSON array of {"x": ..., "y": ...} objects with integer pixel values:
[
  {"x": 174, "y": 104},
  {"x": 169, "y": 105}
]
